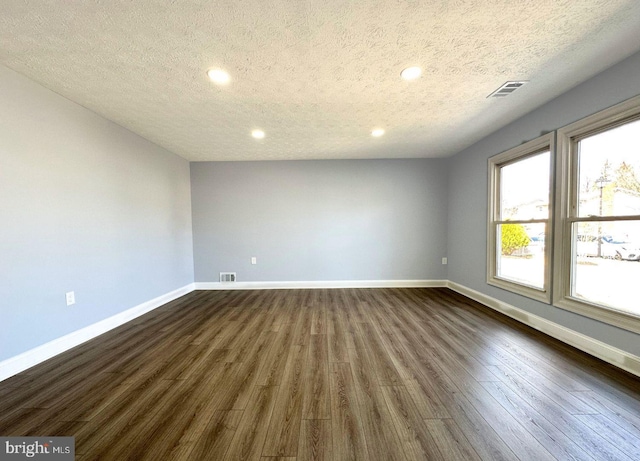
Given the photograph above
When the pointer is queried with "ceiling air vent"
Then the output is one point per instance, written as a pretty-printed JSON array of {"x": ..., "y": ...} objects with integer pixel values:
[
  {"x": 226, "y": 277},
  {"x": 506, "y": 89}
]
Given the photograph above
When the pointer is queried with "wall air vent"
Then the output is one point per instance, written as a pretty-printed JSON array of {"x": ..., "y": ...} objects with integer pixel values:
[
  {"x": 507, "y": 89},
  {"x": 226, "y": 277}
]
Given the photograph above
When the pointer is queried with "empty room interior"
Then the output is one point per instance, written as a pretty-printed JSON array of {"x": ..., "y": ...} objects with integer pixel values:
[{"x": 305, "y": 230}]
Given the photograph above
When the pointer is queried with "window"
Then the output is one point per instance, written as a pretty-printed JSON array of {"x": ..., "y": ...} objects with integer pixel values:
[
  {"x": 520, "y": 211},
  {"x": 592, "y": 225},
  {"x": 597, "y": 232}
]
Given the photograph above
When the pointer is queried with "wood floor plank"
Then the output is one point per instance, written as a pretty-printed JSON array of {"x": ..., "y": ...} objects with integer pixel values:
[
  {"x": 558, "y": 444},
  {"x": 82, "y": 406},
  {"x": 191, "y": 421},
  {"x": 243, "y": 342},
  {"x": 315, "y": 440},
  {"x": 349, "y": 299},
  {"x": 211, "y": 327},
  {"x": 525, "y": 363},
  {"x": 41, "y": 395},
  {"x": 314, "y": 374},
  {"x": 122, "y": 418},
  {"x": 337, "y": 335},
  {"x": 617, "y": 386},
  {"x": 169, "y": 421},
  {"x": 184, "y": 417},
  {"x": 588, "y": 440},
  {"x": 216, "y": 437},
  {"x": 379, "y": 360},
  {"x": 450, "y": 440},
  {"x": 426, "y": 399},
  {"x": 319, "y": 320},
  {"x": 567, "y": 401},
  {"x": 340, "y": 307},
  {"x": 386, "y": 325},
  {"x": 237, "y": 390},
  {"x": 515, "y": 336},
  {"x": 622, "y": 417},
  {"x": 377, "y": 423},
  {"x": 414, "y": 434},
  {"x": 508, "y": 428},
  {"x": 97, "y": 402},
  {"x": 434, "y": 381},
  {"x": 21, "y": 421},
  {"x": 275, "y": 360},
  {"x": 194, "y": 361},
  {"x": 250, "y": 435},
  {"x": 302, "y": 330},
  {"x": 346, "y": 429},
  {"x": 316, "y": 395},
  {"x": 284, "y": 426},
  {"x": 51, "y": 427},
  {"x": 458, "y": 362},
  {"x": 232, "y": 329},
  {"x": 621, "y": 439},
  {"x": 480, "y": 334}
]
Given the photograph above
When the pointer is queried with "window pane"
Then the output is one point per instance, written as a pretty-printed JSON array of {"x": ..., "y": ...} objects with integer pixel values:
[
  {"x": 524, "y": 189},
  {"x": 605, "y": 263},
  {"x": 520, "y": 255},
  {"x": 609, "y": 172}
]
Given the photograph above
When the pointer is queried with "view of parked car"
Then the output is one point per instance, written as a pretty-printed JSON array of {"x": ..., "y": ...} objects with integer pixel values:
[
  {"x": 618, "y": 249},
  {"x": 592, "y": 246}
]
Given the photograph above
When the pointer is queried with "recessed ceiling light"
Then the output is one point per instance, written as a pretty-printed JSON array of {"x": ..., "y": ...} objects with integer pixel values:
[
  {"x": 258, "y": 134},
  {"x": 377, "y": 132},
  {"x": 411, "y": 73},
  {"x": 218, "y": 76}
]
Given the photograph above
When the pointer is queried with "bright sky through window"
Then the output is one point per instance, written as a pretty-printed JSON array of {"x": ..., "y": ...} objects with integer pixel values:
[{"x": 525, "y": 182}]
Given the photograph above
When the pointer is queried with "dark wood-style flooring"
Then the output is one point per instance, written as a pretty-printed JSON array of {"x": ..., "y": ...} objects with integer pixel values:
[{"x": 369, "y": 374}]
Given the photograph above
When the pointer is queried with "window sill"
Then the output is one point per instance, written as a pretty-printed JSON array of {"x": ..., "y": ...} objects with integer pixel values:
[{"x": 519, "y": 289}]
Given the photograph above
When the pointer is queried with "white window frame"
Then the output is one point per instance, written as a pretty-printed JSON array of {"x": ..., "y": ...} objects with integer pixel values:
[
  {"x": 542, "y": 144},
  {"x": 567, "y": 210}
]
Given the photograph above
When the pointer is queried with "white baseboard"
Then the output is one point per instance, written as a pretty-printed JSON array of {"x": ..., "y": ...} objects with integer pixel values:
[
  {"x": 321, "y": 284},
  {"x": 603, "y": 351},
  {"x": 21, "y": 362}
]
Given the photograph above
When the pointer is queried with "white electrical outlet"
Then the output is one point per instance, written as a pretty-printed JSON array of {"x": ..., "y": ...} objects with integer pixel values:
[
  {"x": 71, "y": 298},
  {"x": 444, "y": 261},
  {"x": 254, "y": 260}
]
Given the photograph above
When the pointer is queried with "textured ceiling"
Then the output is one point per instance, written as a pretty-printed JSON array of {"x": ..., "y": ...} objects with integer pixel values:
[{"x": 315, "y": 75}]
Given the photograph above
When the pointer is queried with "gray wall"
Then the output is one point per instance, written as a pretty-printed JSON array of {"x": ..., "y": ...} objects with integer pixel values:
[
  {"x": 85, "y": 205},
  {"x": 320, "y": 220},
  {"x": 468, "y": 193}
]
